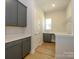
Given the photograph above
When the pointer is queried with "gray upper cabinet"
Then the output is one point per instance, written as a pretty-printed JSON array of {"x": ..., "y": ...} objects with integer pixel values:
[
  {"x": 15, "y": 13},
  {"x": 11, "y": 12},
  {"x": 21, "y": 15}
]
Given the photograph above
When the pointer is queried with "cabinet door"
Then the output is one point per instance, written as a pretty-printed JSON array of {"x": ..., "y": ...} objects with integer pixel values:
[
  {"x": 14, "y": 52},
  {"x": 21, "y": 15},
  {"x": 11, "y": 12},
  {"x": 26, "y": 46}
]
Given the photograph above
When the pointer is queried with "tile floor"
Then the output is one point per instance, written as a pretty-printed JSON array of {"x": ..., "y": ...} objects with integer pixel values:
[{"x": 45, "y": 51}]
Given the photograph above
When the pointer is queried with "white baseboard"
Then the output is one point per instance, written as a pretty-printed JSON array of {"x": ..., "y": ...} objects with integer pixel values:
[{"x": 34, "y": 49}]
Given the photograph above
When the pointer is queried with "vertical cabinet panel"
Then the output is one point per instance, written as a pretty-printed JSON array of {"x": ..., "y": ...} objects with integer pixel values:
[
  {"x": 26, "y": 46},
  {"x": 11, "y": 12},
  {"x": 15, "y": 13},
  {"x": 21, "y": 15}
]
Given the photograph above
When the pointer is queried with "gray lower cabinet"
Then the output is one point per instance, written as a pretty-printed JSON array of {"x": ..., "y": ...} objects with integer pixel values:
[
  {"x": 18, "y": 49},
  {"x": 47, "y": 37},
  {"x": 26, "y": 46},
  {"x": 13, "y": 50}
]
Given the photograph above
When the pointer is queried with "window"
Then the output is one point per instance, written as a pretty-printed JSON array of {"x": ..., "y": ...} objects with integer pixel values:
[{"x": 48, "y": 24}]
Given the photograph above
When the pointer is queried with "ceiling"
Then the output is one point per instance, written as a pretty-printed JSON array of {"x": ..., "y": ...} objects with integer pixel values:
[{"x": 46, "y": 5}]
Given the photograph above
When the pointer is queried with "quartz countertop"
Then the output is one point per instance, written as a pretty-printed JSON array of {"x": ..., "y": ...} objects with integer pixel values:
[
  {"x": 9, "y": 38},
  {"x": 60, "y": 33}
]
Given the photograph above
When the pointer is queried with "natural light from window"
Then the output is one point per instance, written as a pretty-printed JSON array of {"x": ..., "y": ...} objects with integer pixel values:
[{"x": 48, "y": 24}]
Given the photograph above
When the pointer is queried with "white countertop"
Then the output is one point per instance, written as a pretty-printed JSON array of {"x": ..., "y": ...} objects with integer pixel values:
[
  {"x": 10, "y": 38},
  {"x": 60, "y": 33}
]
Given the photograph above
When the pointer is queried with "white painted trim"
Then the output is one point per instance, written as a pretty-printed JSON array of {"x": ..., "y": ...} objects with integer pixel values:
[{"x": 34, "y": 49}]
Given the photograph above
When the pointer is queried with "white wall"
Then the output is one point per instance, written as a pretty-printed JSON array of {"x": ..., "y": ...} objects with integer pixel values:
[
  {"x": 68, "y": 10},
  {"x": 70, "y": 18},
  {"x": 62, "y": 20},
  {"x": 37, "y": 31},
  {"x": 58, "y": 21}
]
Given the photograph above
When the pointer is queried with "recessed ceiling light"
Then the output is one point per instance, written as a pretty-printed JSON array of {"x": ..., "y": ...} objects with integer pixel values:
[{"x": 53, "y": 5}]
